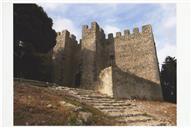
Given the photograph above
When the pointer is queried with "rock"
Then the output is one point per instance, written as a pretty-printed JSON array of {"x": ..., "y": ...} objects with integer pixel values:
[
  {"x": 77, "y": 109},
  {"x": 63, "y": 103},
  {"x": 49, "y": 106},
  {"x": 30, "y": 109},
  {"x": 85, "y": 116},
  {"x": 79, "y": 122},
  {"x": 58, "y": 88},
  {"x": 43, "y": 121},
  {"x": 29, "y": 97},
  {"x": 27, "y": 123}
]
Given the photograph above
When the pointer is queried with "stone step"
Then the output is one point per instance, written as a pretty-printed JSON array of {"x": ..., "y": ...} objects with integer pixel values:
[
  {"x": 134, "y": 119},
  {"x": 125, "y": 114},
  {"x": 127, "y": 110},
  {"x": 74, "y": 89},
  {"x": 74, "y": 93},
  {"x": 99, "y": 96},
  {"x": 113, "y": 110},
  {"x": 93, "y": 100},
  {"x": 98, "y": 99},
  {"x": 108, "y": 107},
  {"x": 60, "y": 88},
  {"x": 93, "y": 96},
  {"x": 111, "y": 107},
  {"x": 117, "y": 111},
  {"x": 141, "y": 123},
  {"x": 111, "y": 104},
  {"x": 84, "y": 91},
  {"x": 84, "y": 98},
  {"x": 103, "y": 101},
  {"x": 89, "y": 92},
  {"x": 68, "y": 91},
  {"x": 87, "y": 98}
]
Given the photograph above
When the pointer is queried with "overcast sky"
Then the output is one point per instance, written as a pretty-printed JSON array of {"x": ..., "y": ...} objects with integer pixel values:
[{"x": 117, "y": 17}]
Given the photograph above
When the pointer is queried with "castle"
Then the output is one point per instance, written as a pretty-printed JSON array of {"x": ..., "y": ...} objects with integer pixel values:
[{"x": 124, "y": 66}]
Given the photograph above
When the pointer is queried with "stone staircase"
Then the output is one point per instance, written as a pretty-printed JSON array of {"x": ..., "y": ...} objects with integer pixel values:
[{"x": 124, "y": 112}]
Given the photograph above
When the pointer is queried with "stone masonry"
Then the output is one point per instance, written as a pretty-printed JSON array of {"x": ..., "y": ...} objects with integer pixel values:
[
  {"x": 66, "y": 56},
  {"x": 124, "y": 66}
]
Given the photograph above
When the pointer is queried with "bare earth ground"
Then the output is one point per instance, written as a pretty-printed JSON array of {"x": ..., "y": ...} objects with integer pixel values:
[
  {"x": 40, "y": 106},
  {"x": 35, "y": 105},
  {"x": 163, "y": 110}
]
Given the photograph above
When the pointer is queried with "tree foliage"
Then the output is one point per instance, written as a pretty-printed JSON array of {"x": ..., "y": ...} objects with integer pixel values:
[
  {"x": 33, "y": 40},
  {"x": 33, "y": 27},
  {"x": 168, "y": 79}
]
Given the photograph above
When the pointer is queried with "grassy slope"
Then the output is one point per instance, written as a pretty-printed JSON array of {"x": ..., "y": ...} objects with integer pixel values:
[{"x": 30, "y": 108}]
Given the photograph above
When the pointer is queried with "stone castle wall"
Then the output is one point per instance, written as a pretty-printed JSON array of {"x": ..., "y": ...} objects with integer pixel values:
[
  {"x": 135, "y": 87},
  {"x": 65, "y": 58},
  {"x": 119, "y": 84},
  {"x": 136, "y": 53},
  {"x": 132, "y": 58}
]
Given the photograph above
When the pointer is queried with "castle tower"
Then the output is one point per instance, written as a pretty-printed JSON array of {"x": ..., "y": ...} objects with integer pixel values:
[
  {"x": 64, "y": 58},
  {"x": 88, "y": 49},
  {"x": 91, "y": 50},
  {"x": 136, "y": 53},
  {"x": 131, "y": 69}
]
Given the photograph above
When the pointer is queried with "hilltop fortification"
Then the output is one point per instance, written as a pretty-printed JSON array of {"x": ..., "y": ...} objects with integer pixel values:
[{"x": 121, "y": 66}]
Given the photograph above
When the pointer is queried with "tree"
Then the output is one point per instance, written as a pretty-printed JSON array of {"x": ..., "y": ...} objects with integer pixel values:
[
  {"x": 33, "y": 40},
  {"x": 168, "y": 79},
  {"x": 33, "y": 27}
]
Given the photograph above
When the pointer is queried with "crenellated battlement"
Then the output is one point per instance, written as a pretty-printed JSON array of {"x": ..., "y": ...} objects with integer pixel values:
[
  {"x": 73, "y": 37},
  {"x": 58, "y": 33},
  {"x": 68, "y": 35},
  {"x": 110, "y": 36},
  {"x": 146, "y": 29},
  {"x": 65, "y": 39},
  {"x": 94, "y": 29},
  {"x": 128, "y": 52},
  {"x": 64, "y": 32},
  {"x": 135, "y": 30},
  {"x": 95, "y": 26},
  {"x": 118, "y": 34},
  {"x": 126, "y": 32}
]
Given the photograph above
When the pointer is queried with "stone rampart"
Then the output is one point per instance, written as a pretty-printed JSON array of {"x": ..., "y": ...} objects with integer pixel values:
[{"x": 136, "y": 53}]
